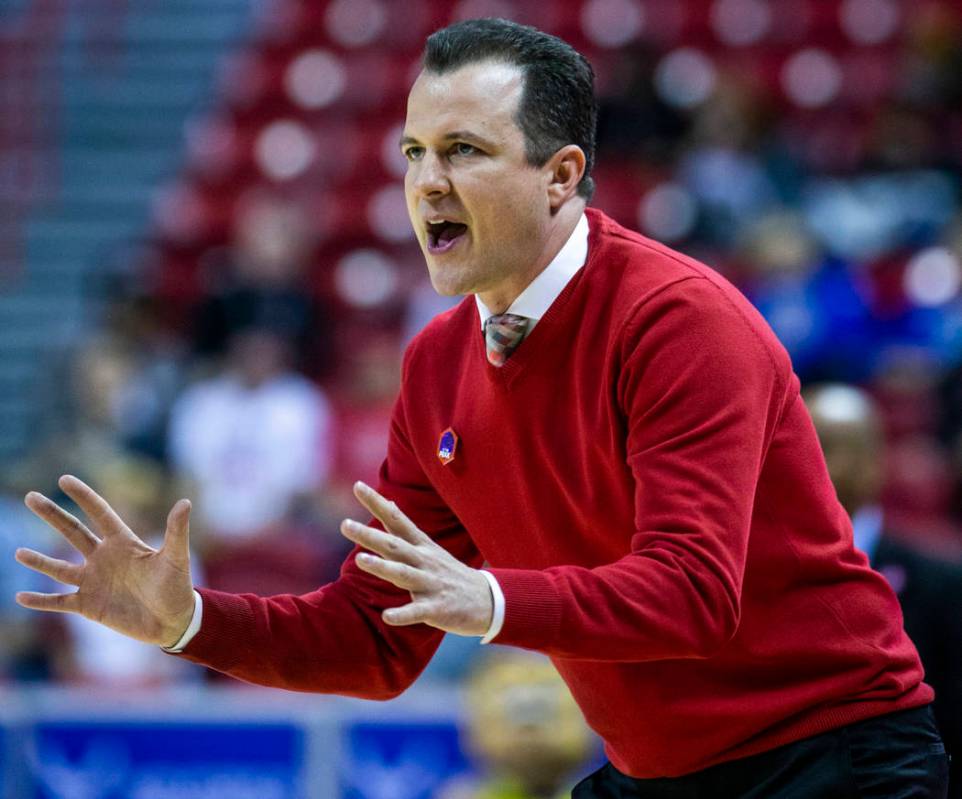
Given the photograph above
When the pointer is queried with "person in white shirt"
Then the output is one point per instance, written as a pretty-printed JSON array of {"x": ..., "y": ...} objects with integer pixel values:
[{"x": 251, "y": 439}]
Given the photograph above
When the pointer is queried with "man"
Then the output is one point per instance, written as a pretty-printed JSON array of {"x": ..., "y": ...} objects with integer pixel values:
[
  {"x": 640, "y": 474},
  {"x": 929, "y": 589}
]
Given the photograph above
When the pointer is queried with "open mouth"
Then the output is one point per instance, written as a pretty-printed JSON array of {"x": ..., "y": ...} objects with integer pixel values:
[{"x": 442, "y": 236}]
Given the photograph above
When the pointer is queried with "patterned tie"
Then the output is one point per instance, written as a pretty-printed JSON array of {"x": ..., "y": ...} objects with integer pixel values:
[{"x": 502, "y": 335}]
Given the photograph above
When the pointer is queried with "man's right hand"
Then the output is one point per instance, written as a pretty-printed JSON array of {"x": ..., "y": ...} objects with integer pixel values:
[{"x": 123, "y": 583}]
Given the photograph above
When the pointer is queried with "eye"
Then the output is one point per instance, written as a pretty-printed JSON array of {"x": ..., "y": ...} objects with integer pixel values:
[
  {"x": 413, "y": 153},
  {"x": 463, "y": 148}
]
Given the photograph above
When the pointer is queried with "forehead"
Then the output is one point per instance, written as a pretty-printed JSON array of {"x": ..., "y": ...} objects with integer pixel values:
[{"x": 483, "y": 97}]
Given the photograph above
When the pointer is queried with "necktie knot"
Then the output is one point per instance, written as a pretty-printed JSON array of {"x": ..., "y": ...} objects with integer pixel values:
[{"x": 502, "y": 335}]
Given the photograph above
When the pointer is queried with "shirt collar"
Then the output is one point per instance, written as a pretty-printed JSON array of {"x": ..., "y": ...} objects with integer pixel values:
[
  {"x": 867, "y": 529},
  {"x": 535, "y": 300}
]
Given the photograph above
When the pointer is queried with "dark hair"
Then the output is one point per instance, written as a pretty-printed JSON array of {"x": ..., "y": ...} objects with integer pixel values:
[{"x": 557, "y": 105}]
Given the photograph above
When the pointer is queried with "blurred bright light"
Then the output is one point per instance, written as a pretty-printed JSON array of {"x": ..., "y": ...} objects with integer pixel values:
[
  {"x": 391, "y": 156},
  {"x": 284, "y": 149},
  {"x": 315, "y": 79},
  {"x": 612, "y": 23},
  {"x": 811, "y": 78},
  {"x": 869, "y": 21},
  {"x": 366, "y": 278},
  {"x": 355, "y": 23},
  {"x": 840, "y": 404},
  {"x": 933, "y": 277},
  {"x": 741, "y": 22},
  {"x": 387, "y": 214},
  {"x": 847, "y": 221},
  {"x": 685, "y": 77},
  {"x": 668, "y": 212}
]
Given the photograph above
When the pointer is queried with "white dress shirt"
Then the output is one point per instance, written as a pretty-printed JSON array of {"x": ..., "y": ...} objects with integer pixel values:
[{"x": 533, "y": 303}]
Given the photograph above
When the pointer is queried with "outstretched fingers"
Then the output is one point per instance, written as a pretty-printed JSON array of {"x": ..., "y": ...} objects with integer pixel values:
[
  {"x": 56, "y": 603},
  {"x": 61, "y": 570},
  {"x": 104, "y": 518},
  {"x": 385, "y": 544},
  {"x": 389, "y": 514},
  {"x": 69, "y": 526},
  {"x": 400, "y": 574}
]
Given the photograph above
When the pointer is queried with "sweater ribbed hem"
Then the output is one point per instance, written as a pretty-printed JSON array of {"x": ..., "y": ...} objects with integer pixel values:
[
  {"x": 226, "y": 634},
  {"x": 817, "y": 722},
  {"x": 532, "y": 608}
]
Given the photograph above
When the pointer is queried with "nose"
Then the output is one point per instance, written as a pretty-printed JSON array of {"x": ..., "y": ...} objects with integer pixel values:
[{"x": 429, "y": 178}]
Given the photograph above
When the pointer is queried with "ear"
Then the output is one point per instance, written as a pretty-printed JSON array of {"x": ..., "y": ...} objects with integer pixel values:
[{"x": 564, "y": 170}]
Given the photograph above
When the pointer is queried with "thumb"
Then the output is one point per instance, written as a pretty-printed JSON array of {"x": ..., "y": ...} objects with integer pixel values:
[{"x": 177, "y": 536}]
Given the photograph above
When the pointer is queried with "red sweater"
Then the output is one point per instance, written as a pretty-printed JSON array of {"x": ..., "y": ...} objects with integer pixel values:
[{"x": 647, "y": 487}]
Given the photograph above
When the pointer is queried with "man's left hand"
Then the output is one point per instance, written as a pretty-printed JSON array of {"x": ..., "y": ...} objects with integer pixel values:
[{"x": 445, "y": 593}]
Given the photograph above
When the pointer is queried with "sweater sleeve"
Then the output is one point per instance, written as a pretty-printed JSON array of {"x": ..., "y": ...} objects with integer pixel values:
[
  {"x": 333, "y": 640},
  {"x": 700, "y": 391}
]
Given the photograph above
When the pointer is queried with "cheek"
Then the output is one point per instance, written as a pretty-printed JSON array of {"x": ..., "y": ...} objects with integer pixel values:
[
  {"x": 526, "y": 195},
  {"x": 504, "y": 205},
  {"x": 513, "y": 220}
]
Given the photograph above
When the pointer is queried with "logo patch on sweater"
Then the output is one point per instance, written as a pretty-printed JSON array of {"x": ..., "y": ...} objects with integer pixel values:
[{"x": 447, "y": 446}]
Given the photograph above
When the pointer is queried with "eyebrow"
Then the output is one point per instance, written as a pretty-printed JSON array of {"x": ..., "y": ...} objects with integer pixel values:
[{"x": 462, "y": 135}]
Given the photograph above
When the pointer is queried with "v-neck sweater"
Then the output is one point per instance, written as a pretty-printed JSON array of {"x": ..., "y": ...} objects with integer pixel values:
[{"x": 643, "y": 480}]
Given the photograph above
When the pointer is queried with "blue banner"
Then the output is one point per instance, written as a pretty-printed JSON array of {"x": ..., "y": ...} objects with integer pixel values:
[
  {"x": 386, "y": 760},
  {"x": 137, "y": 760}
]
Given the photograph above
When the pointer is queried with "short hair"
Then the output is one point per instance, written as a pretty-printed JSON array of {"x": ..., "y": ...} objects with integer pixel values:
[{"x": 557, "y": 106}]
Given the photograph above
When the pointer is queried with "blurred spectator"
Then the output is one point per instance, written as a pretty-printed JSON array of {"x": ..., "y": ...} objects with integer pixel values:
[
  {"x": 929, "y": 589},
  {"x": 816, "y": 305},
  {"x": 633, "y": 120},
  {"x": 524, "y": 731},
  {"x": 917, "y": 491},
  {"x": 255, "y": 441},
  {"x": 264, "y": 281},
  {"x": 89, "y": 415},
  {"x": 723, "y": 165},
  {"x": 254, "y": 438},
  {"x": 156, "y": 357}
]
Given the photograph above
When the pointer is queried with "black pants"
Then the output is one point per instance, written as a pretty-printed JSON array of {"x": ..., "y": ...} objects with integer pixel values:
[{"x": 896, "y": 756}]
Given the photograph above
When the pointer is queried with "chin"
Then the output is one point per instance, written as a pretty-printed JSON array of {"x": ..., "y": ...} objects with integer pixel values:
[{"x": 447, "y": 284}]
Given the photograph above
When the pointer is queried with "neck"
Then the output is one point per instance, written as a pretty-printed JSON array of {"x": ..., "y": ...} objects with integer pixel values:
[{"x": 498, "y": 299}]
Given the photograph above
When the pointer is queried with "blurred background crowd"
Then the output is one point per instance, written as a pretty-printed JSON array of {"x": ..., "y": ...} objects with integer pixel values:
[{"x": 207, "y": 274}]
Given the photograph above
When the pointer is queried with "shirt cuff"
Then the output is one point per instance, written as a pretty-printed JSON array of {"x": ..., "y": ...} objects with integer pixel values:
[
  {"x": 194, "y": 627},
  {"x": 497, "y": 618}
]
